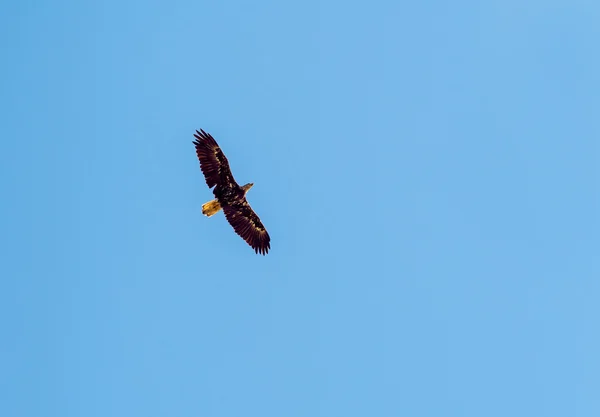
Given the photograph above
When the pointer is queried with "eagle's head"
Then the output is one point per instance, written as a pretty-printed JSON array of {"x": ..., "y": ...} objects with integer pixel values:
[{"x": 247, "y": 187}]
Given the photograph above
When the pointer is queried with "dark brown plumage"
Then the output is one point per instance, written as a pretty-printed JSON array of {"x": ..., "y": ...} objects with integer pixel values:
[{"x": 229, "y": 195}]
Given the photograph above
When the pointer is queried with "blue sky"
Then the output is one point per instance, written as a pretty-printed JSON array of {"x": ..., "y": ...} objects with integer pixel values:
[{"x": 428, "y": 172}]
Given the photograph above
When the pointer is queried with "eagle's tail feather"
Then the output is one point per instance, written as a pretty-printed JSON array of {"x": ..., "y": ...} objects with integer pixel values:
[{"x": 211, "y": 208}]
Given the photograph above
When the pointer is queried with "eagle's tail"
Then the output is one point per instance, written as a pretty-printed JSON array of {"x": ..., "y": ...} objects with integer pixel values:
[{"x": 211, "y": 208}]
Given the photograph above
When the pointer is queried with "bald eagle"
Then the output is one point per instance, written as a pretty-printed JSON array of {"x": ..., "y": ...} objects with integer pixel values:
[{"x": 229, "y": 195}]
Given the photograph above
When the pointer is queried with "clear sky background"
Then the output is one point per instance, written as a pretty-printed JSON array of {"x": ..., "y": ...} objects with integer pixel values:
[{"x": 428, "y": 172}]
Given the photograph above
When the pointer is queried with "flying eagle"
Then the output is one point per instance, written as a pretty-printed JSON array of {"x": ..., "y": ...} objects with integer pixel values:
[{"x": 229, "y": 195}]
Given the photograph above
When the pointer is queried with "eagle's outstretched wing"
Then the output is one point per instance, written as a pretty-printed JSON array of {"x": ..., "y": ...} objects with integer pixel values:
[
  {"x": 246, "y": 223},
  {"x": 213, "y": 163}
]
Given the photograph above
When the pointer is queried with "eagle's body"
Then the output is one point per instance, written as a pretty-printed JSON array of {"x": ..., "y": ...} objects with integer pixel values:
[
  {"x": 213, "y": 207},
  {"x": 230, "y": 197}
]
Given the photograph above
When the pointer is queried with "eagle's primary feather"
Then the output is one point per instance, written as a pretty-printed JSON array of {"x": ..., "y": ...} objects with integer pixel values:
[{"x": 229, "y": 195}]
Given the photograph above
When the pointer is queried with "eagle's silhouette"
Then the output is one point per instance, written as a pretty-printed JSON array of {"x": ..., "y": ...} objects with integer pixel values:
[{"x": 229, "y": 195}]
